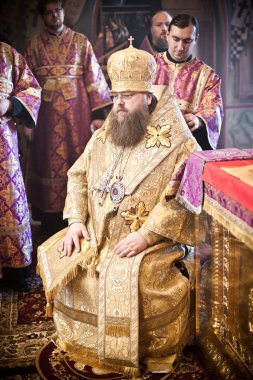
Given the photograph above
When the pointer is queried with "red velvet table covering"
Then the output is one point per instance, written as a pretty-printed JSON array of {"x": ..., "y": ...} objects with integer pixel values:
[{"x": 229, "y": 199}]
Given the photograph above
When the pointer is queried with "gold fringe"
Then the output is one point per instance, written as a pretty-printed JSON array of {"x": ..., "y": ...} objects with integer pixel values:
[
  {"x": 130, "y": 372},
  {"x": 117, "y": 330},
  {"x": 236, "y": 227},
  {"x": 50, "y": 294},
  {"x": 89, "y": 357},
  {"x": 88, "y": 262}
]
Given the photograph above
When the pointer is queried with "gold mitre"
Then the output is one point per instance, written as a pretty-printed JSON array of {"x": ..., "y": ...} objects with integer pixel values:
[{"x": 131, "y": 70}]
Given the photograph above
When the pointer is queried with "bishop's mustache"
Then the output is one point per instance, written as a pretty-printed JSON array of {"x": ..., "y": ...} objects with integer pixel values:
[{"x": 121, "y": 108}]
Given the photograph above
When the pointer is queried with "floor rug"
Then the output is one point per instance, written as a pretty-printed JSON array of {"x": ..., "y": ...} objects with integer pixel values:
[
  {"x": 53, "y": 363},
  {"x": 23, "y": 328}
]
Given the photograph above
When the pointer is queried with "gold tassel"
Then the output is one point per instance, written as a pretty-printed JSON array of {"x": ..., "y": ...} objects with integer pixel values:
[
  {"x": 90, "y": 262},
  {"x": 117, "y": 330},
  {"x": 130, "y": 372},
  {"x": 49, "y": 309},
  {"x": 38, "y": 269}
]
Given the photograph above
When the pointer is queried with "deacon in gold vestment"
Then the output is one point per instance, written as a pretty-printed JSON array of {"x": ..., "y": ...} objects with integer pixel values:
[{"x": 119, "y": 299}]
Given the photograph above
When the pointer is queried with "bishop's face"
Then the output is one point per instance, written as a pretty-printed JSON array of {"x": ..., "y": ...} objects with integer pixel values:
[
  {"x": 126, "y": 103},
  {"x": 53, "y": 17},
  {"x": 129, "y": 117}
]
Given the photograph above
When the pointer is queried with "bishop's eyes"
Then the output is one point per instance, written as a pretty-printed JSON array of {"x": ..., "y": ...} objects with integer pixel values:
[{"x": 124, "y": 97}]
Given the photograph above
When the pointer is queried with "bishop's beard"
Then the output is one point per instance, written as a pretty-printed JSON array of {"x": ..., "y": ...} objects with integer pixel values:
[{"x": 128, "y": 130}]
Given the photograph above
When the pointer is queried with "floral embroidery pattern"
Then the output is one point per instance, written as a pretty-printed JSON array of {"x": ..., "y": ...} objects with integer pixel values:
[
  {"x": 102, "y": 136},
  {"x": 136, "y": 216},
  {"x": 158, "y": 136}
]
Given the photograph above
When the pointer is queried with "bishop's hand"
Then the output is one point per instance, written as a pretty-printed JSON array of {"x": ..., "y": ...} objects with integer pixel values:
[
  {"x": 131, "y": 245},
  {"x": 75, "y": 233}
]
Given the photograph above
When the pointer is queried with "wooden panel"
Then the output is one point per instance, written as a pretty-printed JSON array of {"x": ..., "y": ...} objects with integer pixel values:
[{"x": 184, "y": 6}]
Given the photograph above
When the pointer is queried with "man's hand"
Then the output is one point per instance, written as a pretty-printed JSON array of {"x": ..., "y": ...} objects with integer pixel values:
[
  {"x": 75, "y": 232},
  {"x": 193, "y": 122},
  {"x": 96, "y": 124},
  {"x": 5, "y": 106},
  {"x": 131, "y": 245}
]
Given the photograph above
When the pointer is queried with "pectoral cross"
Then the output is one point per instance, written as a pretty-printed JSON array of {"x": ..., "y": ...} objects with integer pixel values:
[{"x": 104, "y": 186}]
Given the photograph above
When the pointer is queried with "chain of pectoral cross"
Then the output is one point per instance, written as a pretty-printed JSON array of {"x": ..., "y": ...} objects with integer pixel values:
[{"x": 104, "y": 186}]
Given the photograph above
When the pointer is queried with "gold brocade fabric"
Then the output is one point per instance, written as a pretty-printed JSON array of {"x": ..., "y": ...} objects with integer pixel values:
[
  {"x": 127, "y": 310},
  {"x": 131, "y": 70}
]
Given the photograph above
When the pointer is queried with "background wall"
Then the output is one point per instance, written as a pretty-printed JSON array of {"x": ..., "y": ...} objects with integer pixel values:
[{"x": 225, "y": 43}]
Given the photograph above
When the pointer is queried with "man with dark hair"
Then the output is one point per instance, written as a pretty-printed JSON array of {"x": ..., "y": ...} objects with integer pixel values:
[
  {"x": 74, "y": 94},
  {"x": 156, "y": 40},
  {"x": 19, "y": 99},
  {"x": 193, "y": 83},
  {"x": 119, "y": 299}
]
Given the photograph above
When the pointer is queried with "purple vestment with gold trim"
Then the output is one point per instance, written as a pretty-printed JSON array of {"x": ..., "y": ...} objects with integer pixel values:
[
  {"x": 73, "y": 86},
  {"x": 196, "y": 88},
  {"x": 16, "y": 81}
]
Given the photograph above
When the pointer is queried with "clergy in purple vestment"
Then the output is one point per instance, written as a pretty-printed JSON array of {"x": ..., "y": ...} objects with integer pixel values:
[
  {"x": 75, "y": 95},
  {"x": 194, "y": 84},
  {"x": 156, "y": 39},
  {"x": 19, "y": 99}
]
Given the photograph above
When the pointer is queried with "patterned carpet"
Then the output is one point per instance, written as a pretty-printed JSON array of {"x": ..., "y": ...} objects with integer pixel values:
[
  {"x": 23, "y": 330},
  {"x": 25, "y": 333}
]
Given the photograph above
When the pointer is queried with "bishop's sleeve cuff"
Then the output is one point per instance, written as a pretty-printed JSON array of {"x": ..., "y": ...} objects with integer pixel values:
[
  {"x": 73, "y": 220},
  {"x": 150, "y": 236}
]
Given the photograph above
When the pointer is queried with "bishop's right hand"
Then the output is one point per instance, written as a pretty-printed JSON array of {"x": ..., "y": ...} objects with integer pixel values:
[{"x": 75, "y": 233}]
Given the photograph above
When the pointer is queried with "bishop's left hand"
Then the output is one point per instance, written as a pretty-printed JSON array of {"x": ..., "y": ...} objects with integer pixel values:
[
  {"x": 131, "y": 245},
  {"x": 193, "y": 122}
]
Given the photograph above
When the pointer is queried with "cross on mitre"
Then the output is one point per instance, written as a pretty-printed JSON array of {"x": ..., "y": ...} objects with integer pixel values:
[{"x": 130, "y": 39}]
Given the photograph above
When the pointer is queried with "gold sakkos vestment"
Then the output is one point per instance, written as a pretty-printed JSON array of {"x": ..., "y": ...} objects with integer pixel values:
[{"x": 125, "y": 311}]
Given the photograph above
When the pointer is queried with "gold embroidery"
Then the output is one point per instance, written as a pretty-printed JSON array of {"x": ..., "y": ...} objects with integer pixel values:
[
  {"x": 102, "y": 136},
  {"x": 136, "y": 216},
  {"x": 104, "y": 132},
  {"x": 48, "y": 90},
  {"x": 158, "y": 136}
]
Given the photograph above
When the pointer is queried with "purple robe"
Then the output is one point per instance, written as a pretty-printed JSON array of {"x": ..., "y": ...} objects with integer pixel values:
[
  {"x": 146, "y": 45},
  {"x": 16, "y": 81},
  {"x": 196, "y": 88},
  {"x": 73, "y": 86}
]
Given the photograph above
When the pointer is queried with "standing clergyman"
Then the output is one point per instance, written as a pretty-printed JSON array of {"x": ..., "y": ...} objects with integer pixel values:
[{"x": 74, "y": 93}]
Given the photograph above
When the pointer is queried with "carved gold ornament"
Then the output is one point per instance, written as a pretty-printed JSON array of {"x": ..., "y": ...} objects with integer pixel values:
[
  {"x": 136, "y": 216},
  {"x": 157, "y": 136}
]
